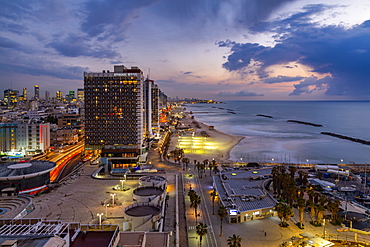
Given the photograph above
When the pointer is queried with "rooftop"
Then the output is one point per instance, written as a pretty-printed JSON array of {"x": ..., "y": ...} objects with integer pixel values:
[{"x": 244, "y": 190}]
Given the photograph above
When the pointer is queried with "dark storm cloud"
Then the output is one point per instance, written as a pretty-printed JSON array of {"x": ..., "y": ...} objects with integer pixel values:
[
  {"x": 240, "y": 93},
  {"x": 110, "y": 17},
  {"x": 75, "y": 46},
  {"x": 326, "y": 49},
  {"x": 56, "y": 70},
  {"x": 281, "y": 78},
  {"x": 241, "y": 13}
]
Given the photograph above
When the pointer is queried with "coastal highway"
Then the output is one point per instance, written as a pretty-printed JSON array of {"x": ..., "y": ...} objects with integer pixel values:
[{"x": 62, "y": 158}]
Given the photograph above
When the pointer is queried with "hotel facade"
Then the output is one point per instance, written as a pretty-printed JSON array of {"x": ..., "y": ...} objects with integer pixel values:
[{"x": 115, "y": 119}]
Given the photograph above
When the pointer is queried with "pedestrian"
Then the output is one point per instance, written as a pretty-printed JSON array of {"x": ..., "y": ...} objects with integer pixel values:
[{"x": 265, "y": 234}]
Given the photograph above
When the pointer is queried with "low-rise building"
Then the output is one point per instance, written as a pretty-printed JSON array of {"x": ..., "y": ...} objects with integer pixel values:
[{"x": 244, "y": 195}]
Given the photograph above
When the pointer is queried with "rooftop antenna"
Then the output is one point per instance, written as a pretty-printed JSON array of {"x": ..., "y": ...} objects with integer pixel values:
[{"x": 148, "y": 76}]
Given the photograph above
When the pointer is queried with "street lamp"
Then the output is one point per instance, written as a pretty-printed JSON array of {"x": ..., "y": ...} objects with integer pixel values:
[
  {"x": 113, "y": 195},
  {"x": 100, "y": 215},
  {"x": 122, "y": 181},
  {"x": 106, "y": 209},
  {"x": 324, "y": 227}
]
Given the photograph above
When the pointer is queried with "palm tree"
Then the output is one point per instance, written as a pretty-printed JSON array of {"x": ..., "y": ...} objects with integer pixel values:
[
  {"x": 201, "y": 230},
  {"x": 234, "y": 241},
  {"x": 214, "y": 195},
  {"x": 186, "y": 161},
  {"x": 333, "y": 206},
  {"x": 222, "y": 212},
  {"x": 195, "y": 203},
  {"x": 284, "y": 213}
]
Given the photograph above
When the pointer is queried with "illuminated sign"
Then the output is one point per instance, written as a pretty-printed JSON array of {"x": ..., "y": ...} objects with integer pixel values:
[
  {"x": 41, "y": 134},
  {"x": 233, "y": 212}
]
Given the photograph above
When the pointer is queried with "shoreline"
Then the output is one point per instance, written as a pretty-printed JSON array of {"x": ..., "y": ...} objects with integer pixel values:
[{"x": 217, "y": 145}]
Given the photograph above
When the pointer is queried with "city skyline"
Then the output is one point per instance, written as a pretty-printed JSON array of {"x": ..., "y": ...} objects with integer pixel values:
[{"x": 222, "y": 50}]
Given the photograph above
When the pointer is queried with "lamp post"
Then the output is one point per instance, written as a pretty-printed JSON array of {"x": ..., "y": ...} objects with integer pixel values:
[
  {"x": 324, "y": 227},
  {"x": 113, "y": 195},
  {"x": 100, "y": 215},
  {"x": 106, "y": 209},
  {"x": 122, "y": 181}
]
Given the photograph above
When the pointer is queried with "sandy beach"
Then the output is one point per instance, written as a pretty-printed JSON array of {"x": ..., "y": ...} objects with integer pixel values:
[{"x": 203, "y": 142}]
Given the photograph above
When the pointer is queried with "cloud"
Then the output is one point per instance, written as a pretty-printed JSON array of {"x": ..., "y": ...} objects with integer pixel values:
[
  {"x": 311, "y": 84},
  {"x": 281, "y": 78},
  {"x": 334, "y": 50},
  {"x": 75, "y": 46},
  {"x": 111, "y": 17},
  {"x": 240, "y": 93},
  {"x": 43, "y": 68},
  {"x": 190, "y": 74}
]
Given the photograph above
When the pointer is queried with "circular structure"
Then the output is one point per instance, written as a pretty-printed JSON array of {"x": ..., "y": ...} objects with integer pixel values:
[
  {"x": 142, "y": 210},
  {"x": 19, "y": 166},
  {"x": 25, "y": 177},
  {"x": 148, "y": 191},
  {"x": 157, "y": 181}
]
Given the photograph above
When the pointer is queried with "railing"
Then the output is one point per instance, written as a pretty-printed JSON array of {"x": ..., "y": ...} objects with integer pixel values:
[{"x": 347, "y": 238}]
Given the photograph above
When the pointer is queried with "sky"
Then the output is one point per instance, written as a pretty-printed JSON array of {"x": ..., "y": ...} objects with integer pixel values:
[{"x": 208, "y": 49}]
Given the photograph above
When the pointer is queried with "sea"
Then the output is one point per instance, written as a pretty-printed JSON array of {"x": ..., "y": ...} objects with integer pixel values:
[{"x": 269, "y": 137}]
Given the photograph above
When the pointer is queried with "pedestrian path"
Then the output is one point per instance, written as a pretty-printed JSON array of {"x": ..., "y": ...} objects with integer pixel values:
[{"x": 195, "y": 227}]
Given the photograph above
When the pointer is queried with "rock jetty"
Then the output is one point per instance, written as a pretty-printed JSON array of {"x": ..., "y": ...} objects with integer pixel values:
[
  {"x": 261, "y": 115},
  {"x": 347, "y": 138},
  {"x": 306, "y": 123}
]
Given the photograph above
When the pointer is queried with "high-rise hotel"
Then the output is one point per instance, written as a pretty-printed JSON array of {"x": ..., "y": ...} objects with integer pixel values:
[{"x": 115, "y": 118}]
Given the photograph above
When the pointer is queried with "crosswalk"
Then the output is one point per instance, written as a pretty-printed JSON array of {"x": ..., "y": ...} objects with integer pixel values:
[{"x": 195, "y": 227}]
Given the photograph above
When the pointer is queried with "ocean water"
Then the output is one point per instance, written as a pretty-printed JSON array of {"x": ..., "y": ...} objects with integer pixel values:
[{"x": 276, "y": 140}]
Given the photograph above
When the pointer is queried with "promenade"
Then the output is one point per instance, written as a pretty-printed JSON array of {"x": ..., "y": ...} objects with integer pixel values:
[{"x": 259, "y": 233}]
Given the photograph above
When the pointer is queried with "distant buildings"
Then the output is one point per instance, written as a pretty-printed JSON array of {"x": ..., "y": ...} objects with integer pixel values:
[
  {"x": 80, "y": 94},
  {"x": 11, "y": 97},
  {"x": 37, "y": 92}
]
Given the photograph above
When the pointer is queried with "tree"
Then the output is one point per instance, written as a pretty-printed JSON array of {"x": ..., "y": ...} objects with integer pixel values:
[
  {"x": 234, "y": 241},
  {"x": 186, "y": 161},
  {"x": 222, "y": 213},
  {"x": 214, "y": 195},
  {"x": 201, "y": 229},
  {"x": 195, "y": 203},
  {"x": 333, "y": 206},
  {"x": 284, "y": 213}
]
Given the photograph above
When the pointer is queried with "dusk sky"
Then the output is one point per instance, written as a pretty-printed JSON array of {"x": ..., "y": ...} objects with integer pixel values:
[{"x": 210, "y": 49}]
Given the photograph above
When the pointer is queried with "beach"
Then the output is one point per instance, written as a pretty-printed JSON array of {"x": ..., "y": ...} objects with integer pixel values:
[{"x": 202, "y": 142}]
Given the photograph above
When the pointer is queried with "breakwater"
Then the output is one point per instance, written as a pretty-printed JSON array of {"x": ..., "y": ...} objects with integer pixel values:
[
  {"x": 306, "y": 123},
  {"x": 261, "y": 115},
  {"x": 347, "y": 138}
]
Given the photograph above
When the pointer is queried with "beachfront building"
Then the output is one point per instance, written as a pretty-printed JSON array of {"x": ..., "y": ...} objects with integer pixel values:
[
  {"x": 244, "y": 195},
  {"x": 114, "y": 115}
]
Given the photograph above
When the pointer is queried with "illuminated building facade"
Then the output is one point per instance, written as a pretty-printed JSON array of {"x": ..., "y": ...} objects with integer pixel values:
[
  {"x": 23, "y": 97},
  {"x": 8, "y": 136},
  {"x": 11, "y": 97},
  {"x": 80, "y": 94},
  {"x": 147, "y": 107},
  {"x": 37, "y": 92},
  {"x": 155, "y": 109},
  {"x": 59, "y": 95},
  {"x": 151, "y": 108},
  {"x": 33, "y": 137},
  {"x": 114, "y": 116}
]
